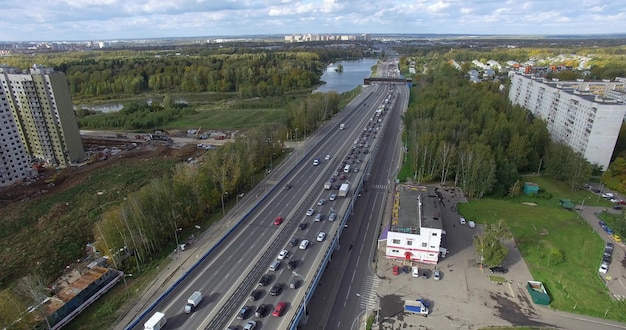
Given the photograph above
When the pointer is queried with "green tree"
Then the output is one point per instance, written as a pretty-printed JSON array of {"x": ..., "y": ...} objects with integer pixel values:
[{"x": 489, "y": 244}]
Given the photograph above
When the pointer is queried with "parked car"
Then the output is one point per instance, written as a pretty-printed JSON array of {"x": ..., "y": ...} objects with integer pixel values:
[
  {"x": 606, "y": 259},
  {"x": 415, "y": 272},
  {"x": 437, "y": 275},
  {"x": 462, "y": 220},
  {"x": 498, "y": 269},
  {"x": 617, "y": 207},
  {"x": 608, "y": 246},
  {"x": 279, "y": 309},
  {"x": 604, "y": 268},
  {"x": 471, "y": 224},
  {"x": 395, "y": 270},
  {"x": 616, "y": 238}
]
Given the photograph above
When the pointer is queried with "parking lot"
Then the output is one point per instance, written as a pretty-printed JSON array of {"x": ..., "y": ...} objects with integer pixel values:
[{"x": 465, "y": 297}]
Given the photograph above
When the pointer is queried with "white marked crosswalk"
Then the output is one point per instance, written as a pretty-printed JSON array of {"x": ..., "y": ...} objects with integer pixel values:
[
  {"x": 368, "y": 298},
  {"x": 380, "y": 186}
]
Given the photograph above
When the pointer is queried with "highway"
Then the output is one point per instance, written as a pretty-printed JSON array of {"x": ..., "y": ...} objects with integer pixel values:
[
  {"x": 348, "y": 284},
  {"x": 233, "y": 270}
]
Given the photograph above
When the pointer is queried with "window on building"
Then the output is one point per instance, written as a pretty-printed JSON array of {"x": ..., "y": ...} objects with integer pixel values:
[
  {"x": 395, "y": 241},
  {"x": 409, "y": 243},
  {"x": 424, "y": 244},
  {"x": 432, "y": 246},
  {"x": 395, "y": 251},
  {"x": 434, "y": 234}
]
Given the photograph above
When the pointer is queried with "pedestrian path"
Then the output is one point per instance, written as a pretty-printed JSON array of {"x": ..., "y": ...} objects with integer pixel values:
[{"x": 369, "y": 300}]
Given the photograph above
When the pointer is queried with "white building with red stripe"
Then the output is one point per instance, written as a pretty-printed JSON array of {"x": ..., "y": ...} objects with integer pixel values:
[{"x": 416, "y": 228}]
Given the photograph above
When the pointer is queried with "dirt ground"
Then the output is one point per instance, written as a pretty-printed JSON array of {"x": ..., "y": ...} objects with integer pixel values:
[{"x": 71, "y": 177}]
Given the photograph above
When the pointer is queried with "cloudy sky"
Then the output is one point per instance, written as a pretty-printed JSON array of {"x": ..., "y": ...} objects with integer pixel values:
[{"x": 50, "y": 20}]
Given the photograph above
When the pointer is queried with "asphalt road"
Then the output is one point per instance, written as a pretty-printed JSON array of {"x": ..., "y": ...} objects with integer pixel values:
[
  {"x": 229, "y": 275},
  {"x": 348, "y": 284}
]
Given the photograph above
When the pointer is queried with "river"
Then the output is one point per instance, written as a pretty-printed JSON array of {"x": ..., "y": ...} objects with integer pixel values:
[{"x": 352, "y": 76}]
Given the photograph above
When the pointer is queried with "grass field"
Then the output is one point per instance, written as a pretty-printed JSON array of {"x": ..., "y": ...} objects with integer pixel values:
[{"x": 544, "y": 230}]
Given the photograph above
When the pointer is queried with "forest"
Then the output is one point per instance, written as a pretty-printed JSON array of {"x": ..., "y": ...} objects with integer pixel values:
[{"x": 470, "y": 135}]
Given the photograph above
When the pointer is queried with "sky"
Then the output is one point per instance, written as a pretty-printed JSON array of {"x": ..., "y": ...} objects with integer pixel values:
[{"x": 66, "y": 20}]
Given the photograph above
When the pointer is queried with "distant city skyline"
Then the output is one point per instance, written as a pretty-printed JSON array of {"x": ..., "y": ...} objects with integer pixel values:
[{"x": 68, "y": 20}]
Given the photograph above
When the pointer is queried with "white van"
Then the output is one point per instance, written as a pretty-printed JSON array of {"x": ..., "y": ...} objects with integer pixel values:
[{"x": 346, "y": 169}]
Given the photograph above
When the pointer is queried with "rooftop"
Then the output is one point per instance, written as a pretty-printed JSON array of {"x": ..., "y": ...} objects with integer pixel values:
[{"x": 416, "y": 207}]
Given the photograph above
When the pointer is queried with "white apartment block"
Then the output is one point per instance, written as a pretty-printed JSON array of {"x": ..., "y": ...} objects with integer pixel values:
[
  {"x": 416, "y": 226},
  {"x": 587, "y": 116},
  {"x": 43, "y": 114},
  {"x": 15, "y": 164}
]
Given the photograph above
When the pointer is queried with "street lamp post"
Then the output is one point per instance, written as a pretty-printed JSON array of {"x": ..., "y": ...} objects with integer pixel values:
[
  {"x": 223, "y": 210},
  {"x": 582, "y": 205},
  {"x": 176, "y": 237},
  {"x": 296, "y": 129},
  {"x": 239, "y": 196}
]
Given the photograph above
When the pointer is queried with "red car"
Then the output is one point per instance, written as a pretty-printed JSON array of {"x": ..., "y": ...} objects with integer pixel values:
[
  {"x": 278, "y": 221},
  {"x": 395, "y": 270},
  {"x": 278, "y": 310}
]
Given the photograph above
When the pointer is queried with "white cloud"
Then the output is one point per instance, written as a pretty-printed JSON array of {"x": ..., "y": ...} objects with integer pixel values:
[{"x": 115, "y": 19}]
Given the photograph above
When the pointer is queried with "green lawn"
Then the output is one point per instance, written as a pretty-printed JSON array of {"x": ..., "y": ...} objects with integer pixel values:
[{"x": 574, "y": 284}]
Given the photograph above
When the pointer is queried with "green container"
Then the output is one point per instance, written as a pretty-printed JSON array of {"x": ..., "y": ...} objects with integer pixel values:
[{"x": 538, "y": 293}]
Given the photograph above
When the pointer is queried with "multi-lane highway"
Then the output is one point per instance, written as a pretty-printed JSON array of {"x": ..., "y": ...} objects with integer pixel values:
[{"x": 233, "y": 270}]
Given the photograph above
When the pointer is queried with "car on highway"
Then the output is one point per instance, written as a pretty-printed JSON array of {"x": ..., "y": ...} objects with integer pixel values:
[
  {"x": 332, "y": 197},
  {"x": 304, "y": 244},
  {"x": 292, "y": 264},
  {"x": 310, "y": 212},
  {"x": 275, "y": 265},
  {"x": 283, "y": 254},
  {"x": 342, "y": 177},
  {"x": 254, "y": 295},
  {"x": 604, "y": 268},
  {"x": 462, "y": 220},
  {"x": 243, "y": 312},
  {"x": 278, "y": 221},
  {"x": 293, "y": 242},
  {"x": 332, "y": 216},
  {"x": 251, "y": 325},
  {"x": 287, "y": 186},
  {"x": 276, "y": 290},
  {"x": 279, "y": 309},
  {"x": 321, "y": 236},
  {"x": 437, "y": 275},
  {"x": 319, "y": 217},
  {"x": 302, "y": 226},
  {"x": 265, "y": 280},
  {"x": 321, "y": 202},
  {"x": 327, "y": 157},
  {"x": 316, "y": 161},
  {"x": 261, "y": 311},
  {"x": 498, "y": 269}
]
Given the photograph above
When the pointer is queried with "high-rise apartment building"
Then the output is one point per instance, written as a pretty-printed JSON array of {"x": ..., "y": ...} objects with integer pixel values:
[
  {"x": 587, "y": 116},
  {"x": 42, "y": 114},
  {"x": 15, "y": 163}
]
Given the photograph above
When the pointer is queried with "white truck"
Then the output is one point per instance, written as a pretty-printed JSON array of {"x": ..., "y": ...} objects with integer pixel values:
[
  {"x": 193, "y": 301},
  {"x": 416, "y": 306},
  {"x": 343, "y": 190},
  {"x": 156, "y": 322},
  {"x": 342, "y": 126},
  {"x": 327, "y": 185}
]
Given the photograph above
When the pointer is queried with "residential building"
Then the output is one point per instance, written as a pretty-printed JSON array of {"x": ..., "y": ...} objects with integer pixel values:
[
  {"x": 15, "y": 164},
  {"x": 43, "y": 114},
  {"x": 416, "y": 225},
  {"x": 585, "y": 115}
]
